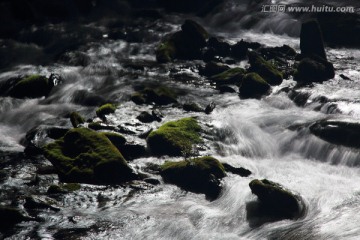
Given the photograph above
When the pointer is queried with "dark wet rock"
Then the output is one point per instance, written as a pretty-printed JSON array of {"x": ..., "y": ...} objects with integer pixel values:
[
  {"x": 76, "y": 119},
  {"x": 344, "y": 77},
  {"x": 105, "y": 109},
  {"x": 300, "y": 98},
  {"x": 240, "y": 49},
  {"x": 199, "y": 175},
  {"x": 158, "y": 116},
  {"x": 63, "y": 188},
  {"x": 100, "y": 126},
  {"x": 117, "y": 139},
  {"x": 152, "y": 181},
  {"x": 159, "y": 95},
  {"x": 33, "y": 86},
  {"x": 35, "y": 203},
  {"x": 314, "y": 69},
  {"x": 185, "y": 44},
  {"x": 87, "y": 98},
  {"x": 231, "y": 76},
  {"x": 253, "y": 86},
  {"x": 238, "y": 171},
  {"x": 175, "y": 138},
  {"x": 146, "y": 117},
  {"x": 10, "y": 217},
  {"x": 338, "y": 131},
  {"x": 226, "y": 89},
  {"x": 311, "y": 41},
  {"x": 210, "y": 107},
  {"x": 213, "y": 68},
  {"x": 284, "y": 51},
  {"x": 265, "y": 69},
  {"x": 132, "y": 151},
  {"x": 75, "y": 58},
  {"x": 85, "y": 156},
  {"x": 192, "y": 107},
  {"x": 220, "y": 48},
  {"x": 145, "y": 134},
  {"x": 277, "y": 201}
]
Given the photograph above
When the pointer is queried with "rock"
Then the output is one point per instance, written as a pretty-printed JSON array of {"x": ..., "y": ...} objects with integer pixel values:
[
  {"x": 152, "y": 181},
  {"x": 221, "y": 48},
  {"x": 116, "y": 139},
  {"x": 265, "y": 69},
  {"x": 105, "y": 109},
  {"x": 199, "y": 175},
  {"x": 157, "y": 115},
  {"x": 337, "y": 131},
  {"x": 253, "y": 86},
  {"x": 75, "y": 59},
  {"x": 101, "y": 126},
  {"x": 192, "y": 107},
  {"x": 240, "y": 49},
  {"x": 10, "y": 217},
  {"x": 35, "y": 203},
  {"x": 213, "y": 68},
  {"x": 85, "y": 156},
  {"x": 311, "y": 41},
  {"x": 210, "y": 107},
  {"x": 238, "y": 171},
  {"x": 231, "y": 76},
  {"x": 226, "y": 89},
  {"x": 63, "y": 188},
  {"x": 159, "y": 95},
  {"x": 314, "y": 69},
  {"x": 87, "y": 98},
  {"x": 284, "y": 51},
  {"x": 145, "y": 117},
  {"x": 344, "y": 77},
  {"x": 185, "y": 44},
  {"x": 277, "y": 201},
  {"x": 76, "y": 119},
  {"x": 175, "y": 138},
  {"x": 33, "y": 86},
  {"x": 132, "y": 151}
]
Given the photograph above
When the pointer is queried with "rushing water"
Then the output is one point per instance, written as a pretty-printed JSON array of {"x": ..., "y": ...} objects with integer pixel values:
[{"x": 255, "y": 134}]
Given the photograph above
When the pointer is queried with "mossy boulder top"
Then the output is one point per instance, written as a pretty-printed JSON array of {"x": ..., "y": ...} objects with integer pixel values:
[
  {"x": 105, "y": 109},
  {"x": 231, "y": 76},
  {"x": 86, "y": 156},
  {"x": 265, "y": 69},
  {"x": 253, "y": 86},
  {"x": 277, "y": 200},
  {"x": 175, "y": 138},
  {"x": 200, "y": 175},
  {"x": 32, "y": 86}
]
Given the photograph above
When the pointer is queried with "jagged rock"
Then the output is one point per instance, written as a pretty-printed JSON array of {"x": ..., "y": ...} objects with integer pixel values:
[
  {"x": 311, "y": 41},
  {"x": 238, "y": 171},
  {"x": 220, "y": 48},
  {"x": 210, "y": 107}
]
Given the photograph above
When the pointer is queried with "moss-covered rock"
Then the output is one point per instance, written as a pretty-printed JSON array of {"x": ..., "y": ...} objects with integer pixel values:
[
  {"x": 231, "y": 76},
  {"x": 115, "y": 138},
  {"x": 175, "y": 138},
  {"x": 265, "y": 69},
  {"x": 192, "y": 107},
  {"x": 166, "y": 51},
  {"x": 253, "y": 86},
  {"x": 200, "y": 175},
  {"x": 86, "y": 156},
  {"x": 213, "y": 68},
  {"x": 159, "y": 95},
  {"x": 105, "y": 109},
  {"x": 76, "y": 119},
  {"x": 314, "y": 69},
  {"x": 276, "y": 200},
  {"x": 33, "y": 86}
]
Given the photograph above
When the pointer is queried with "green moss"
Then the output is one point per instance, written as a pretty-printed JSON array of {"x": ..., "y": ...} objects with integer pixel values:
[
  {"x": 33, "y": 86},
  {"x": 105, "y": 109},
  {"x": 253, "y": 85},
  {"x": 175, "y": 138},
  {"x": 265, "y": 69},
  {"x": 231, "y": 76},
  {"x": 80, "y": 156},
  {"x": 76, "y": 119},
  {"x": 166, "y": 52},
  {"x": 197, "y": 175}
]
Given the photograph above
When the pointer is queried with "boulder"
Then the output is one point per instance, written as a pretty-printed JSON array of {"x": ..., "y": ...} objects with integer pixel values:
[
  {"x": 146, "y": 117},
  {"x": 63, "y": 188},
  {"x": 314, "y": 69},
  {"x": 226, "y": 89},
  {"x": 175, "y": 138},
  {"x": 87, "y": 98},
  {"x": 220, "y": 48},
  {"x": 231, "y": 76},
  {"x": 253, "y": 86},
  {"x": 192, "y": 107},
  {"x": 185, "y": 44},
  {"x": 240, "y": 49},
  {"x": 132, "y": 151},
  {"x": 265, "y": 69},
  {"x": 116, "y": 138},
  {"x": 311, "y": 41},
  {"x": 338, "y": 131},
  {"x": 85, "y": 156},
  {"x": 10, "y": 217},
  {"x": 105, "y": 109},
  {"x": 159, "y": 95},
  {"x": 199, "y": 175},
  {"x": 76, "y": 119},
  {"x": 210, "y": 107},
  {"x": 238, "y": 171},
  {"x": 277, "y": 201},
  {"x": 213, "y": 68}
]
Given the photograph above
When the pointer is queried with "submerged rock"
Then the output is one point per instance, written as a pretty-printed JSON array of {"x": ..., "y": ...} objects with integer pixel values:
[
  {"x": 265, "y": 69},
  {"x": 276, "y": 201},
  {"x": 337, "y": 131},
  {"x": 85, "y": 156},
  {"x": 175, "y": 138},
  {"x": 314, "y": 69},
  {"x": 311, "y": 41},
  {"x": 200, "y": 175},
  {"x": 253, "y": 86}
]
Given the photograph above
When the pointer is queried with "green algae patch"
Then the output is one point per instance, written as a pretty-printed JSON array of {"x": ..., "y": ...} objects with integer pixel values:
[
  {"x": 105, "y": 109},
  {"x": 33, "y": 86},
  {"x": 85, "y": 156},
  {"x": 200, "y": 175},
  {"x": 175, "y": 138}
]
